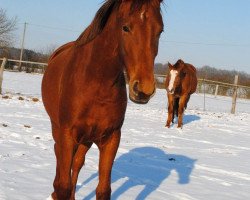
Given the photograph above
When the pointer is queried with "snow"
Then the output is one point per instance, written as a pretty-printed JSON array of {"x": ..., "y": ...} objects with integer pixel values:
[{"x": 207, "y": 159}]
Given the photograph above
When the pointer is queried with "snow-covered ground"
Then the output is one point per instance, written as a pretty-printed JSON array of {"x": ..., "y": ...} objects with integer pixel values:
[{"x": 207, "y": 159}]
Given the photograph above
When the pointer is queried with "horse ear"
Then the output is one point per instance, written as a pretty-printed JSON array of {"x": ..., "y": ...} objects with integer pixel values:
[{"x": 170, "y": 65}]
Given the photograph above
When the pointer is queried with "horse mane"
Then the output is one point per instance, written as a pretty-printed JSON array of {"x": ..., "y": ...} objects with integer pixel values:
[
  {"x": 102, "y": 16},
  {"x": 185, "y": 66},
  {"x": 178, "y": 64}
]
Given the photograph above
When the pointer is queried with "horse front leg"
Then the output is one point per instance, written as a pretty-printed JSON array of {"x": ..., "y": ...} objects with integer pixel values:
[
  {"x": 64, "y": 146},
  {"x": 78, "y": 162},
  {"x": 107, "y": 155},
  {"x": 170, "y": 110},
  {"x": 182, "y": 105}
]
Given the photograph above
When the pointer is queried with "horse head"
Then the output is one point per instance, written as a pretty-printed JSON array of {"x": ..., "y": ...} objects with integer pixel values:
[
  {"x": 141, "y": 24},
  {"x": 176, "y": 73}
]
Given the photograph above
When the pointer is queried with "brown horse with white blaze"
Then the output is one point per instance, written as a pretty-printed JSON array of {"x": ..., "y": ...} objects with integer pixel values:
[
  {"x": 84, "y": 89},
  {"x": 181, "y": 82}
]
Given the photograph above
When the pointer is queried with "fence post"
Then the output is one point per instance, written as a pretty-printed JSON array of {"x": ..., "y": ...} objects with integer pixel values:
[
  {"x": 204, "y": 93},
  {"x": 236, "y": 78},
  {"x": 1, "y": 73}
]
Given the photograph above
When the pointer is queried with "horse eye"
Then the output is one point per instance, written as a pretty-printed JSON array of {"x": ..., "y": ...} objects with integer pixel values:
[{"x": 125, "y": 29}]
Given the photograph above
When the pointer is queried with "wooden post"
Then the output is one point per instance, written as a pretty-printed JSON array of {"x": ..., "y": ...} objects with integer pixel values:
[
  {"x": 204, "y": 91},
  {"x": 216, "y": 91},
  {"x": 236, "y": 78},
  {"x": 1, "y": 73}
]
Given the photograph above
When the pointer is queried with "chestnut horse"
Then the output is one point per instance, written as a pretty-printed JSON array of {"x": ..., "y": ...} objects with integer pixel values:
[
  {"x": 84, "y": 89},
  {"x": 181, "y": 82}
]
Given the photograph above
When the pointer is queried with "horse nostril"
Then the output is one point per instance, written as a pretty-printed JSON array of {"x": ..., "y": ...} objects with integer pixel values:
[
  {"x": 135, "y": 88},
  {"x": 171, "y": 91}
]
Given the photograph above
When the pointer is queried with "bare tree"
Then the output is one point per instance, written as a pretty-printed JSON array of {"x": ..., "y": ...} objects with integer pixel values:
[
  {"x": 47, "y": 52},
  {"x": 7, "y": 26}
]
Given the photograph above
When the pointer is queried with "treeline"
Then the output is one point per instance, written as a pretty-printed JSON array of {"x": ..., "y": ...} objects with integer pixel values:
[
  {"x": 205, "y": 72},
  {"x": 28, "y": 55}
]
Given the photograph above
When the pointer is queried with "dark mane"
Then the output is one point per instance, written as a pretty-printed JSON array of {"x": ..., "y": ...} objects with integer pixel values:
[
  {"x": 102, "y": 16},
  {"x": 98, "y": 23},
  {"x": 178, "y": 64}
]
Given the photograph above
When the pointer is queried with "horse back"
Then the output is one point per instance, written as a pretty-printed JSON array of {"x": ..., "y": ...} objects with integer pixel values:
[
  {"x": 61, "y": 49},
  {"x": 192, "y": 77}
]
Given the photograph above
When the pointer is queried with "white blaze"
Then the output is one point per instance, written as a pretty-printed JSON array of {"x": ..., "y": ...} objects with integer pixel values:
[{"x": 173, "y": 74}]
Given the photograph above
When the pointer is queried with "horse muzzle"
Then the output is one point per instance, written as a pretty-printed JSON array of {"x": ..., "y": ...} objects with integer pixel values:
[
  {"x": 138, "y": 96},
  {"x": 170, "y": 91}
]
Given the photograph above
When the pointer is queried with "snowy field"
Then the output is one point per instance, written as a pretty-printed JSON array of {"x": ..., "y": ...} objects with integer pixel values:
[{"x": 207, "y": 159}]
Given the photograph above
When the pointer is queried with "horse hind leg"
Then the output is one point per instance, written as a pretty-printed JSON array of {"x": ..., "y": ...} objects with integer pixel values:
[
  {"x": 173, "y": 116},
  {"x": 187, "y": 100},
  {"x": 176, "y": 107},
  {"x": 78, "y": 162},
  {"x": 170, "y": 117},
  {"x": 64, "y": 153},
  {"x": 182, "y": 104}
]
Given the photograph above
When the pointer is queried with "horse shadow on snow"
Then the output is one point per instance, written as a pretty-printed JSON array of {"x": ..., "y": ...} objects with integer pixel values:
[
  {"x": 146, "y": 166},
  {"x": 190, "y": 118},
  {"x": 187, "y": 119}
]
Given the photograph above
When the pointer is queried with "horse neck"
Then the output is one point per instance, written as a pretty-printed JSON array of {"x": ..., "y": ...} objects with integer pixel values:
[{"x": 105, "y": 48}]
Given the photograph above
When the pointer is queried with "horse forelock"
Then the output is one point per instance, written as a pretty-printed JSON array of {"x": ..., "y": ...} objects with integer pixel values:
[
  {"x": 102, "y": 16},
  {"x": 138, "y": 4}
]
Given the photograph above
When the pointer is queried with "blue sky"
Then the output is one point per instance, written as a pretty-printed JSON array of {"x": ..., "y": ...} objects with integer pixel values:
[{"x": 212, "y": 32}]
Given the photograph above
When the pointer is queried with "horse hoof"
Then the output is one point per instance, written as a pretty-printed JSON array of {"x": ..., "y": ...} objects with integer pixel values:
[
  {"x": 50, "y": 198},
  {"x": 179, "y": 126}
]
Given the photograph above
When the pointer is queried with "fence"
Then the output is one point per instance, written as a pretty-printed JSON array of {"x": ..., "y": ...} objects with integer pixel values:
[
  {"x": 211, "y": 88},
  {"x": 208, "y": 88},
  {"x": 16, "y": 66},
  {"x": 29, "y": 66}
]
